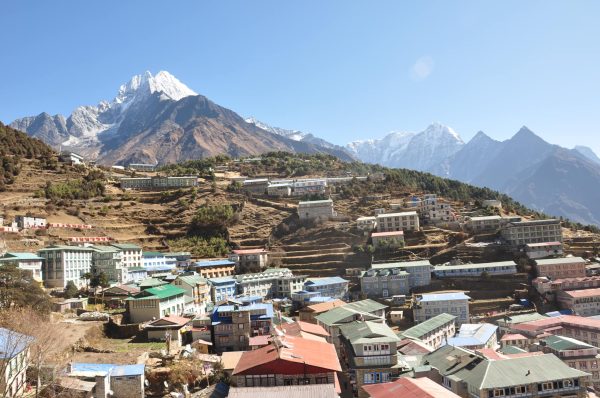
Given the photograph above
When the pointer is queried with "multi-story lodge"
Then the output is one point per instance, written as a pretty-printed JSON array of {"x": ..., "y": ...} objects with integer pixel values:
[
  {"x": 309, "y": 187},
  {"x": 544, "y": 249},
  {"x": 131, "y": 256},
  {"x": 427, "y": 306},
  {"x": 64, "y": 264},
  {"x": 564, "y": 267},
  {"x": 576, "y": 354},
  {"x": 385, "y": 282},
  {"x": 310, "y": 210},
  {"x": 390, "y": 240},
  {"x": 308, "y": 313},
  {"x": 28, "y": 262},
  {"x": 250, "y": 259},
  {"x": 585, "y": 302},
  {"x": 197, "y": 288},
  {"x": 214, "y": 268},
  {"x": 366, "y": 310},
  {"x": 419, "y": 272},
  {"x": 333, "y": 286},
  {"x": 158, "y": 182},
  {"x": 287, "y": 285},
  {"x": 289, "y": 361},
  {"x": 369, "y": 350},
  {"x": 263, "y": 284},
  {"x": 520, "y": 233},
  {"x": 484, "y": 224},
  {"x": 547, "y": 286},
  {"x": 469, "y": 374},
  {"x": 234, "y": 325},
  {"x": 475, "y": 270},
  {"x": 14, "y": 361},
  {"x": 107, "y": 260},
  {"x": 222, "y": 288},
  {"x": 155, "y": 303},
  {"x": 433, "y": 332},
  {"x": 578, "y": 327},
  {"x": 406, "y": 221}
]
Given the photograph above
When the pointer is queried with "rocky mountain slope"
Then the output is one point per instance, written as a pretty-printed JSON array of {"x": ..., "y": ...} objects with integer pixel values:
[{"x": 158, "y": 119}]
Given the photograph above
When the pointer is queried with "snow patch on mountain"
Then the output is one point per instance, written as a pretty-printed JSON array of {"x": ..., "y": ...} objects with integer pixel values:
[{"x": 291, "y": 134}]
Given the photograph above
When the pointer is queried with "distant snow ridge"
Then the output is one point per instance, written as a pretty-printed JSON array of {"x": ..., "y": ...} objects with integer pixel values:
[
  {"x": 420, "y": 151},
  {"x": 291, "y": 134}
]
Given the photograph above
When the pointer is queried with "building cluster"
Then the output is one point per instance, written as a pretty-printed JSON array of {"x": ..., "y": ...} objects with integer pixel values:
[{"x": 294, "y": 187}]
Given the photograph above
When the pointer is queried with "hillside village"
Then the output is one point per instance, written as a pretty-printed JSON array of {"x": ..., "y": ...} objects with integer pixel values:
[{"x": 298, "y": 275}]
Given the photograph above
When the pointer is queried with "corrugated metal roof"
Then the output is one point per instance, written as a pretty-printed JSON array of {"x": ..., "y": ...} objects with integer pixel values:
[{"x": 427, "y": 326}]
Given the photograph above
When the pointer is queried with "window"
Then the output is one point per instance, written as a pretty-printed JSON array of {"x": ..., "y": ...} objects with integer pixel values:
[
  {"x": 240, "y": 325},
  {"x": 321, "y": 380}
]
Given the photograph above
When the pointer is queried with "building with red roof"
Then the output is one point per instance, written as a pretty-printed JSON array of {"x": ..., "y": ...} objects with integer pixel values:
[
  {"x": 288, "y": 360},
  {"x": 584, "y": 302},
  {"x": 581, "y": 328},
  {"x": 405, "y": 387}
]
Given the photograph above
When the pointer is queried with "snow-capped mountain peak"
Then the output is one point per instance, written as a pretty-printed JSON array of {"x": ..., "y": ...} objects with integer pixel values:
[
  {"x": 146, "y": 84},
  {"x": 437, "y": 129}
]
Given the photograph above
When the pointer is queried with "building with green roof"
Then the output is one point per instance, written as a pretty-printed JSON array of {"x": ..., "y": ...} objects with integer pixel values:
[
  {"x": 155, "y": 303},
  {"x": 371, "y": 353},
  {"x": 467, "y": 373},
  {"x": 434, "y": 332},
  {"x": 364, "y": 310},
  {"x": 151, "y": 282},
  {"x": 505, "y": 323},
  {"x": 574, "y": 353}
]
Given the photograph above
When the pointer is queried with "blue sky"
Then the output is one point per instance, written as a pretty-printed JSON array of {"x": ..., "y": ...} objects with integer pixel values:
[{"x": 343, "y": 70}]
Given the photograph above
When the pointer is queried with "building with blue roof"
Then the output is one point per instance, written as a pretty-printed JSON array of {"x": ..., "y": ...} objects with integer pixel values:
[
  {"x": 234, "y": 325},
  {"x": 111, "y": 380},
  {"x": 222, "y": 288},
  {"x": 427, "y": 306},
  {"x": 14, "y": 354},
  {"x": 214, "y": 268},
  {"x": 334, "y": 286},
  {"x": 475, "y": 336}
]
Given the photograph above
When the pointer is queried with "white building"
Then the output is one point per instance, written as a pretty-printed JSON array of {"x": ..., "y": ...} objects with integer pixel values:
[
  {"x": 131, "y": 257},
  {"x": 155, "y": 303},
  {"x": 537, "y": 231},
  {"x": 484, "y": 224},
  {"x": 434, "y": 332},
  {"x": 65, "y": 263},
  {"x": 26, "y": 261},
  {"x": 545, "y": 249},
  {"x": 427, "y": 306},
  {"x": 313, "y": 209},
  {"x": 14, "y": 360},
  {"x": 392, "y": 239},
  {"x": 475, "y": 336},
  {"x": 309, "y": 187},
  {"x": 419, "y": 272},
  {"x": 475, "y": 270},
  {"x": 366, "y": 223},
  {"x": 263, "y": 284},
  {"x": 406, "y": 221},
  {"x": 71, "y": 158},
  {"x": 584, "y": 302},
  {"x": 26, "y": 222}
]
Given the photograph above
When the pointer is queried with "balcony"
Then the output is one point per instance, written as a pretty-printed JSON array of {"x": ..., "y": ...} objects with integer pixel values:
[{"x": 376, "y": 360}]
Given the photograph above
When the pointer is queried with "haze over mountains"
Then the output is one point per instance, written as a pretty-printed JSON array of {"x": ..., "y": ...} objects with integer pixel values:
[
  {"x": 158, "y": 119},
  {"x": 549, "y": 178}
]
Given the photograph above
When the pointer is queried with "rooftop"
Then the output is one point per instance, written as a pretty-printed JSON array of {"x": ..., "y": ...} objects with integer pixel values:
[
  {"x": 560, "y": 260},
  {"x": 12, "y": 343},
  {"x": 310, "y": 202},
  {"x": 301, "y": 391},
  {"x": 474, "y": 266},
  {"x": 563, "y": 343},
  {"x": 326, "y": 306},
  {"x": 325, "y": 281},
  {"x": 19, "y": 256},
  {"x": 473, "y": 334},
  {"x": 428, "y": 326},
  {"x": 214, "y": 263},
  {"x": 126, "y": 246},
  {"x": 360, "y": 332},
  {"x": 428, "y": 297},
  {"x": 406, "y": 387},
  {"x": 102, "y": 369},
  {"x": 543, "y": 244},
  {"x": 402, "y": 264},
  {"x": 582, "y": 293},
  {"x": 392, "y": 233},
  {"x": 308, "y": 355},
  {"x": 401, "y": 214},
  {"x": 164, "y": 291}
]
